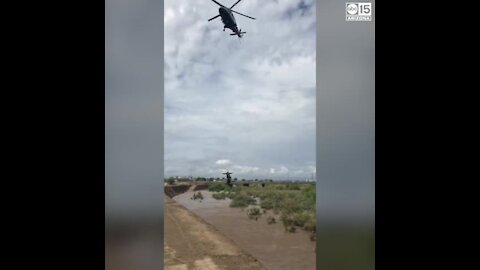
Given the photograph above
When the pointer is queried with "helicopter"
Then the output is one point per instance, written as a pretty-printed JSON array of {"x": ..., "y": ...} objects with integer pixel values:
[
  {"x": 229, "y": 178},
  {"x": 228, "y": 19}
]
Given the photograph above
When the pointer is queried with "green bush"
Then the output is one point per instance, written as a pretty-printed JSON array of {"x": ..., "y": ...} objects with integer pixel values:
[
  {"x": 300, "y": 219},
  {"x": 254, "y": 213},
  {"x": 216, "y": 186},
  {"x": 266, "y": 204},
  {"x": 197, "y": 195},
  {"x": 291, "y": 229},
  {"x": 241, "y": 200},
  {"x": 271, "y": 220},
  {"x": 304, "y": 219},
  {"x": 293, "y": 186},
  {"x": 294, "y": 202},
  {"x": 219, "y": 195},
  {"x": 310, "y": 225},
  {"x": 287, "y": 220}
]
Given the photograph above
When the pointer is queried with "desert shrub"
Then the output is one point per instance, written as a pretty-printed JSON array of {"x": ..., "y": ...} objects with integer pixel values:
[
  {"x": 197, "y": 195},
  {"x": 302, "y": 218},
  {"x": 219, "y": 195},
  {"x": 291, "y": 229},
  {"x": 289, "y": 204},
  {"x": 271, "y": 199},
  {"x": 230, "y": 195},
  {"x": 287, "y": 220},
  {"x": 292, "y": 186},
  {"x": 215, "y": 187},
  {"x": 254, "y": 213},
  {"x": 309, "y": 194},
  {"x": 241, "y": 200},
  {"x": 297, "y": 202},
  {"x": 266, "y": 203},
  {"x": 251, "y": 192},
  {"x": 310, "y": 225},
  {"x": 294, "y": 202},
  {"x": 271, "y": 220}
]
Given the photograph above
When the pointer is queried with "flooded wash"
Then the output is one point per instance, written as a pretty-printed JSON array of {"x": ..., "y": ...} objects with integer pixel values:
[{"x": 269, "y": 243}]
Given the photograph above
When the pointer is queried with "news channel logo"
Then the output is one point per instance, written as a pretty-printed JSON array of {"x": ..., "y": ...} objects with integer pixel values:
[{"x": 357, "y": 11}]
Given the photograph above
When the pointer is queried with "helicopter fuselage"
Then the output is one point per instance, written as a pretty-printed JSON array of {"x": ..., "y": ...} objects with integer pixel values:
[
  {"x": 226, "y": 14},
  {"x": 228, "y": 19}
]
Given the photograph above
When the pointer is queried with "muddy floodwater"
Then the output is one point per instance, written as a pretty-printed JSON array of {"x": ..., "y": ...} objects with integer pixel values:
[{"x": 269, "y": 243}]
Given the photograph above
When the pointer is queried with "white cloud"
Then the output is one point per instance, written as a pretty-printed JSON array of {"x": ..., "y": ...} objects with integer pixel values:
[
  {"x": 283, "y": 170},
  {"x": 223, "y": 162}
]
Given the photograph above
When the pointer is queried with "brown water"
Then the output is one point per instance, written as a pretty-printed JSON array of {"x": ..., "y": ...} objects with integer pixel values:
[{"x": 269, "y": 243}]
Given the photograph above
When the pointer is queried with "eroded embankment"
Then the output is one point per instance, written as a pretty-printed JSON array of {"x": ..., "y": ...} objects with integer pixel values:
[
  {"x": 200, "y": 187},
  {"x": 174, "y": 190}
]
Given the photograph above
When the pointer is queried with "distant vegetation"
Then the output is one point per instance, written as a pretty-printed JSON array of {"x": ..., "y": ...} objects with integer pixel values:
[
  {"x": 173, "y": 179},
  {"x": 217, "y": 186},
  {"x": 294, "y": 203}
]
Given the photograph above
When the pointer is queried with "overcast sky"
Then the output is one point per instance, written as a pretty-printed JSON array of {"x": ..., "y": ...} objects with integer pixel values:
[{"x": 246, "y": 105}]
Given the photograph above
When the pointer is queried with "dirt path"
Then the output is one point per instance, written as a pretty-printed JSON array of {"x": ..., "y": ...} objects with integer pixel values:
[{"x": 191, "y": 243}]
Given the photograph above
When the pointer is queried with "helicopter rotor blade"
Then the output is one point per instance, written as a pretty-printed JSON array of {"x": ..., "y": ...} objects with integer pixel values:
[
  {"x": 214, "y": 17},
  {"x": 235, "y": 4},
  {"x": 218, "y": 3},
  {"x": 242, "y": 14}
]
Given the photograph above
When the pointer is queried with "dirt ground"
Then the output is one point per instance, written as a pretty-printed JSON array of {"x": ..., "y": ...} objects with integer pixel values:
[
  {"x": 190, "y": 243},
  {"x": 270, "y": 244}
]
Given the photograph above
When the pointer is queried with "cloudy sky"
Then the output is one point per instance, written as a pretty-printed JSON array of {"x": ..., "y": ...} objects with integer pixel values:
[{"x": 246, "y": 105}]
